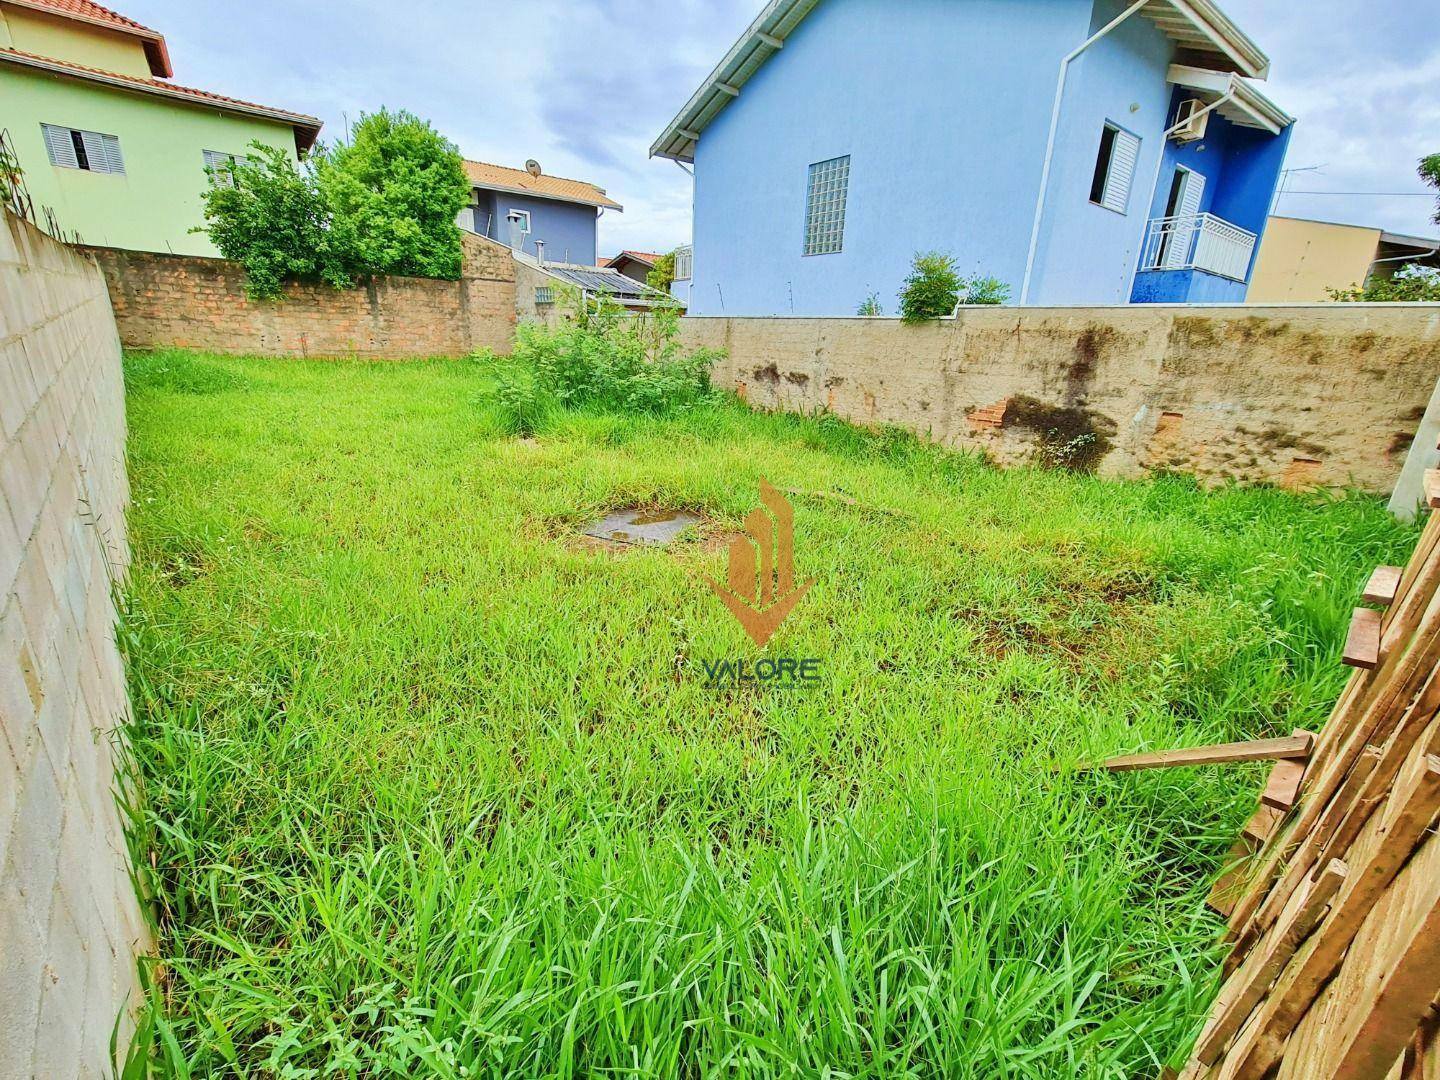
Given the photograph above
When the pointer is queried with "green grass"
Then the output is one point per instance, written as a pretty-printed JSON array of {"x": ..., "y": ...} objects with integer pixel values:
[{"x": 428, "y": 787}]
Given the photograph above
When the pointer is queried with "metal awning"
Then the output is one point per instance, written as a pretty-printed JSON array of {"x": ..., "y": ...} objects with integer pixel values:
[{"x": 1197, "y": 27}]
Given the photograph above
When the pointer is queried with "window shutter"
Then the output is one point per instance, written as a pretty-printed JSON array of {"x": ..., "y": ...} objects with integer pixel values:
[
  {"x": 220, "y": 164},
  {"x": 59, "y": 146},
  {"x": 103, "y": 152},
  {"x": 1122, "y": 171}
]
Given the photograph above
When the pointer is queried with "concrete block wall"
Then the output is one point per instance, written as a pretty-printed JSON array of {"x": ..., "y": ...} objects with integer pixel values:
[
  {"x": 183, "y": 300},
  {"x": 70, "y": 924},
  {"x": 1304, "y": 395}
]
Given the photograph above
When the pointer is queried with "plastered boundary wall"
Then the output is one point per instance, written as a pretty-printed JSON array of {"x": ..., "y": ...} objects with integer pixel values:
[
  {"x": 163, "y": 300},
  {"x": 1323, "y": 394},
  {"x": 70, "y": 925}
]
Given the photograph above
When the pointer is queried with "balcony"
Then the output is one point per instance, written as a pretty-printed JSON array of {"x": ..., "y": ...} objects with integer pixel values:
[{"x": 1198, "y": 242}]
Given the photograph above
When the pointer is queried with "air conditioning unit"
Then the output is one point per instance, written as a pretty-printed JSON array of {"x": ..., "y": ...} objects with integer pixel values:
[{"x": 1190, "y": 122}]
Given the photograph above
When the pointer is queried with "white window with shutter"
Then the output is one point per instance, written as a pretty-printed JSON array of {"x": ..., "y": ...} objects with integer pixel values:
[
  {"x": 92, "y": 151},
  {"x": 219, "y": 164},
  {"x": 1114, "y": 168}
]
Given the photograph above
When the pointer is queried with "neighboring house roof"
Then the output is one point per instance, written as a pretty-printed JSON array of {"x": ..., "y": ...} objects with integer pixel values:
[
  {"x": 306, "y": 127},
  {"x": 1241, "y": 104},
  {"x": 500, "y": 178},
  {"x": 1196, "y": 26},
  {"x": 156, "y": 54},
  {"x": 647, "y": 259},
  {"x": 597, "y": 279}
]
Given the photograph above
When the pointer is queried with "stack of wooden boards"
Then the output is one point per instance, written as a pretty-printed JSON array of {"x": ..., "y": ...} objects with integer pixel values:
[{"x": 1333, "y": 899}]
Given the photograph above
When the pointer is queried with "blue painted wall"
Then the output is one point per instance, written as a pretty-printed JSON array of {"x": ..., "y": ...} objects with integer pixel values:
[
  {"x": 567, "y": 229},
  {"x": 1241, "y": 167},
  {"x": 936, "y": 103},
  {"x": 1087, "y": 253},
  {"x": 1186, "y": 287}
]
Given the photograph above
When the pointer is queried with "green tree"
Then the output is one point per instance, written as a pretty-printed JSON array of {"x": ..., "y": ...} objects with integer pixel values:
[
  {"x": 392, "y": 194},
  {"x": 1429, "y": 171},
  {"x": 268, "y": 217},
  {"x": 662, "y": 273}
]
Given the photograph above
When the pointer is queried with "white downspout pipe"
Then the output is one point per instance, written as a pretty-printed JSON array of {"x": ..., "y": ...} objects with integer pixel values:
[
  {"x": 1160, "y": 164},
  {"x": 1054, "y": 127}
]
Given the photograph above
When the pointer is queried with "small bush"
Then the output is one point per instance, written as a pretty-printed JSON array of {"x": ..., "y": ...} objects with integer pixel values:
[
  {"x": 870, "y": 306},
  {"x": 603, "y": 359},
  {"x": 932, "y": 288}
]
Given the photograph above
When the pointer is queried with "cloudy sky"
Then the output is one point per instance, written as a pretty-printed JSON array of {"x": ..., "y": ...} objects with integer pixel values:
[{"x": 584, "y": 86}]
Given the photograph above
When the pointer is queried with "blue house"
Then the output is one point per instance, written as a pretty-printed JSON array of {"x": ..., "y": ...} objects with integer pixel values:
[
  {"x": 550, "y": 217},
  {"x": 1081, "y": 151}
]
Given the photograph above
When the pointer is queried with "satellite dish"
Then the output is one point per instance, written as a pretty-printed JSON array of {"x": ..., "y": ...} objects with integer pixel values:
[{"x": 532, "y": 167}]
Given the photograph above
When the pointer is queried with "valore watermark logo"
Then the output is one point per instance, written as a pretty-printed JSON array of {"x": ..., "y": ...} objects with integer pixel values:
[{"x": 760, "y": 591}]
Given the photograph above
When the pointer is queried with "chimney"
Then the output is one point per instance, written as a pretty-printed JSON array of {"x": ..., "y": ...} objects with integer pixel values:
[{"x": 540, "y": 251}]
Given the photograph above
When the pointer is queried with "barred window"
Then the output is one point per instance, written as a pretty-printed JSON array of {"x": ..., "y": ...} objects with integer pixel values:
[
  {"x": 825, "y": 206},
  {"x": 88, "y": 150}
]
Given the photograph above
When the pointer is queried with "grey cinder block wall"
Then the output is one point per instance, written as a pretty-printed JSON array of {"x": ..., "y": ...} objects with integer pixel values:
[{"x": 70, "y": 923}]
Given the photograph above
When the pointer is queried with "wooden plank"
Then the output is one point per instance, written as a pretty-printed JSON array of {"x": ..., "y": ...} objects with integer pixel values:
[
  {"x": 1283, "y": 787},
  {"x": 1262, "y": 824},
  {"x": 1241, "y": 994},
  {"x": 1383, "y": 584},
  {"x": 1230, "y": 885},
  {"x": 1290, "y": 746},
  {"x": 1391, "y": 839},
  {"x": 1432, "y": 488},
  {"x": 1362, "y": 643}
]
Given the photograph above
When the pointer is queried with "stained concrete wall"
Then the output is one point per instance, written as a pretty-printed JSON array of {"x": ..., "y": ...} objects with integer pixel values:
[
  {"x": 70, "y": 926},
  {"x": 1326, "y": 394}
]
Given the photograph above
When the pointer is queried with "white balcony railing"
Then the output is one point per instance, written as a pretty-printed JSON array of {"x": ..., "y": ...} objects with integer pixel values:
[{"x": 1198, "y": 242}]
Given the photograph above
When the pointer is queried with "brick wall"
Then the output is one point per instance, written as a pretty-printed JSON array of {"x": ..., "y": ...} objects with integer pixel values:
[
  {"x": 200, "y": 303},
  {"x": 70, "y": 925},
  {"x": 1326, "y": 394}
]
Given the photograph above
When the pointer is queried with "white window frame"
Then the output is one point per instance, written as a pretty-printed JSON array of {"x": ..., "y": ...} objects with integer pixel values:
[
  {"x": 825, "y": 220},
  {"x": 102, "y": 151},
  {"x": 1121, "y": 205},
  {"x": 524, "y": 225}
]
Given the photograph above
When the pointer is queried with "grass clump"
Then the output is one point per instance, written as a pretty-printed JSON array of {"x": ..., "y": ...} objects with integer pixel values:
[{"x": 424, "y": 788}]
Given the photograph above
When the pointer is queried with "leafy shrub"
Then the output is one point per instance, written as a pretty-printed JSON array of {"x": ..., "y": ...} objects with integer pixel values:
[
  {"x": 604, "y": 359},
  {"x": 392, "y": 194},
  {"x": 662, "y": 273},
  {"x": 270, "y": 219},
  {"x": 984, "y": 290},
  {"x": 384, "y": 203},
  {"x": 932, "y": 288},
  {"x": 1411, "y": 282},
  {"x": 870, "y": 306}
]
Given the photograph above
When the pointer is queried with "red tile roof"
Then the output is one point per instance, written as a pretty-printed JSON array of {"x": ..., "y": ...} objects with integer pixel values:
[
  {"x": 87, "y": 12},
  {"x": 639, "y": 256},
  {"x": 502, "y": 178},
  {"x": 306, "y": 127}
]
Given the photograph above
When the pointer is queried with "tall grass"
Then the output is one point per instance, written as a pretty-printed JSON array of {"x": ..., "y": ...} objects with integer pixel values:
[{"x": 427, "y": 787}]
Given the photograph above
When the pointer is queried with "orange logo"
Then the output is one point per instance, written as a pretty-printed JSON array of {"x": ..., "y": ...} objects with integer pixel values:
[{"x": 762, "y": 591}]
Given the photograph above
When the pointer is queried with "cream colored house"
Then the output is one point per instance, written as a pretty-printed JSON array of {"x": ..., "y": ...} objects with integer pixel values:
[{"x": 1300, "y": 260}]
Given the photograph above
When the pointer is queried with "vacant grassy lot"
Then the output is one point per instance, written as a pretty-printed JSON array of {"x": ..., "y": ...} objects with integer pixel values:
[{"x": 433, "y": 788}]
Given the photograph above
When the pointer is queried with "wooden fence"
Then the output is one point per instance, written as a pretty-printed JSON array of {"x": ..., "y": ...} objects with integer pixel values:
[{"x": 1333, "y": 898}]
